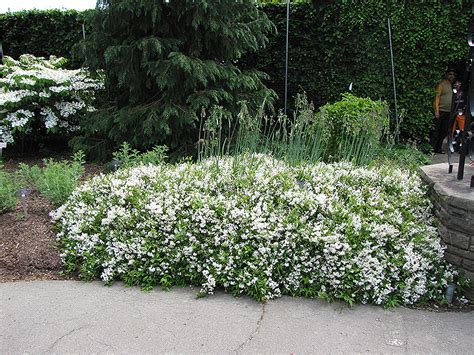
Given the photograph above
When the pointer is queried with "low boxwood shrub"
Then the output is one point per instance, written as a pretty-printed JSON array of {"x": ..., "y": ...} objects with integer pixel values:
[{"x": 254, "y": 225}]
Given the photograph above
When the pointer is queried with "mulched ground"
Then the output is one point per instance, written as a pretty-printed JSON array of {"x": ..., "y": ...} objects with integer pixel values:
[
  {"x": 28, "y": 248},
  {"x": 27, "y": 245}
]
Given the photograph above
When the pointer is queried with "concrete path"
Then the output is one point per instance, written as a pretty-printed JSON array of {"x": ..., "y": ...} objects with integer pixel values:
[{"x": 75, "y": 317}]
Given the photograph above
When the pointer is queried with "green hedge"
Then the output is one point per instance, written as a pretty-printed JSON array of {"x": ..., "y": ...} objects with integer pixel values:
[
  {"x": 347, "y": 41},
  {"x": 41, "y": 33},
  {"x": 330, "y": 47}
]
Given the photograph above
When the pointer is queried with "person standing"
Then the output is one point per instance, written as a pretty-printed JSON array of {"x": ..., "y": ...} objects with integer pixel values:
[{"x": 442, "y": 109}]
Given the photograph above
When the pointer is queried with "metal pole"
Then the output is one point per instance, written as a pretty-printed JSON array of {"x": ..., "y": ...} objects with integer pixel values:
[
  {"x": 286, "y": 59},
  {"x": 397, "y": 132},
  {"x": 83, "y": 31},
  {"x": 467, "y": 134}
]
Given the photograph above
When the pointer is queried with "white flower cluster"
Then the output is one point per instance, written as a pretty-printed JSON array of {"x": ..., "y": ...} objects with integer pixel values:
[
  {"x": 253, "y": 225},
  {"x": 19, "y": 118},
  {"x": 38, "y": 89}
]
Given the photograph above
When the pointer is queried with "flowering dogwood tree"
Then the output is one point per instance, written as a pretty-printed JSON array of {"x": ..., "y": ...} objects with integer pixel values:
[{"x": 37, "y": 95}]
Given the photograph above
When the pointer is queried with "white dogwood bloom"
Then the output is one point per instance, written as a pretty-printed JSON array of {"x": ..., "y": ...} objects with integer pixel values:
[
  {"x": 55, "y": 96},
  {"x": 19, "y": 118}
]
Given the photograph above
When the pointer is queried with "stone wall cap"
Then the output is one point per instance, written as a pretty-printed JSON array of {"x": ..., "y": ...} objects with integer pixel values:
[{"x": 448, "y": 187}]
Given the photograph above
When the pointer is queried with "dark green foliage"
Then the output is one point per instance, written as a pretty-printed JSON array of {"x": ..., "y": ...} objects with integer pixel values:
[
  {"x": 166, "y": 62},
  {"x": 41, "y": 33},
  {"x": 347, "y": 41},
  {"x": 332, "y": 43}
]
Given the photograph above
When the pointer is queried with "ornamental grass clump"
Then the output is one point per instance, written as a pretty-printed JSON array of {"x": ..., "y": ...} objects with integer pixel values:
[
  {"x": 295, "y": 139},
  {"x": 255, "y": 225}
]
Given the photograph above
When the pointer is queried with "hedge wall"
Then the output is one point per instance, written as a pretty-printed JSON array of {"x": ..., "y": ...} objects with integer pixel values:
[
  {"x": 330, "y": 47},
  {"x": 347, "y": 41},
  {"x": 41, "y": 33}
]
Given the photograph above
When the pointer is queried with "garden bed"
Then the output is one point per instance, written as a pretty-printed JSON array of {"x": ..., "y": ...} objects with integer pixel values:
[
  {"x": 28, "y": 248},
  {"x": 30, "y": 251}
]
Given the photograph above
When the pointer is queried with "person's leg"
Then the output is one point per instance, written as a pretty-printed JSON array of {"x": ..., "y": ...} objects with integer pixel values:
[
  {"x": 444, "y": 126},
  {"x": 442, "y": 131},
  {"x": 435, "y": 134},
  {"x": 460, "y": 121}
]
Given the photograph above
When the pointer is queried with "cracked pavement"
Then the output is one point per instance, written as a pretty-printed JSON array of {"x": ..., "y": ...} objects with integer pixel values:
[
  {"x": 76, "y": 317},
  {"x": 254, "y": 333}
]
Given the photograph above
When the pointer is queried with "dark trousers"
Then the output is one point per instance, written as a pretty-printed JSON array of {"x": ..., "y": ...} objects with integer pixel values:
[{"x": 440, "y": 130}]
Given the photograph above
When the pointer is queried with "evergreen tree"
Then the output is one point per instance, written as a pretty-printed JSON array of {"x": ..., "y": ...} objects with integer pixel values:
[{"x": 166, "y": 61}]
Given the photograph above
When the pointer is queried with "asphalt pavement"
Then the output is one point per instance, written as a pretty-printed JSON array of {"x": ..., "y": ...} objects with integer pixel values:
[{"x": 75, "y": 317}]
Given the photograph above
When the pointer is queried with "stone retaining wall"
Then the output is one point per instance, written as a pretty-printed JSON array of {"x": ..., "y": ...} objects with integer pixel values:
[{"x": 454, "y": 206}]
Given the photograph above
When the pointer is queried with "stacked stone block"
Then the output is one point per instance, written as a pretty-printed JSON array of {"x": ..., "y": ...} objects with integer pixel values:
[{"x": 453, "y": 202}]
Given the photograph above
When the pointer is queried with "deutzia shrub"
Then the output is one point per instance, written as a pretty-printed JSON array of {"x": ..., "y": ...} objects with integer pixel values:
[
  {"x": 257, "y": 226},
  {"x": 38, "y": 95}
]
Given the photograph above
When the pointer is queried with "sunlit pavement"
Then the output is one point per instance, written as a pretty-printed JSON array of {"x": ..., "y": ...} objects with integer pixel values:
[{"x": 76, "y": 317}]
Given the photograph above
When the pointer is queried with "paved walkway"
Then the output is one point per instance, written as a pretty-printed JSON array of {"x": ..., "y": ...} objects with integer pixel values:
[{"x": 76, "y": 317}]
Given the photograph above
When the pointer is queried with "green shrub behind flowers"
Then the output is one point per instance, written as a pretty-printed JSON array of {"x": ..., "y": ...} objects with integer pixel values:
[
  {"x": 355, "y": 126},
  {"x": 254, "y": 225}
]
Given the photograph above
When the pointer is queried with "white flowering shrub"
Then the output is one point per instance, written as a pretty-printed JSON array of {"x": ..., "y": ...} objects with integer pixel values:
[
  {"x": 37, "y": 94},
  {"x": 254, "y": 225}
]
